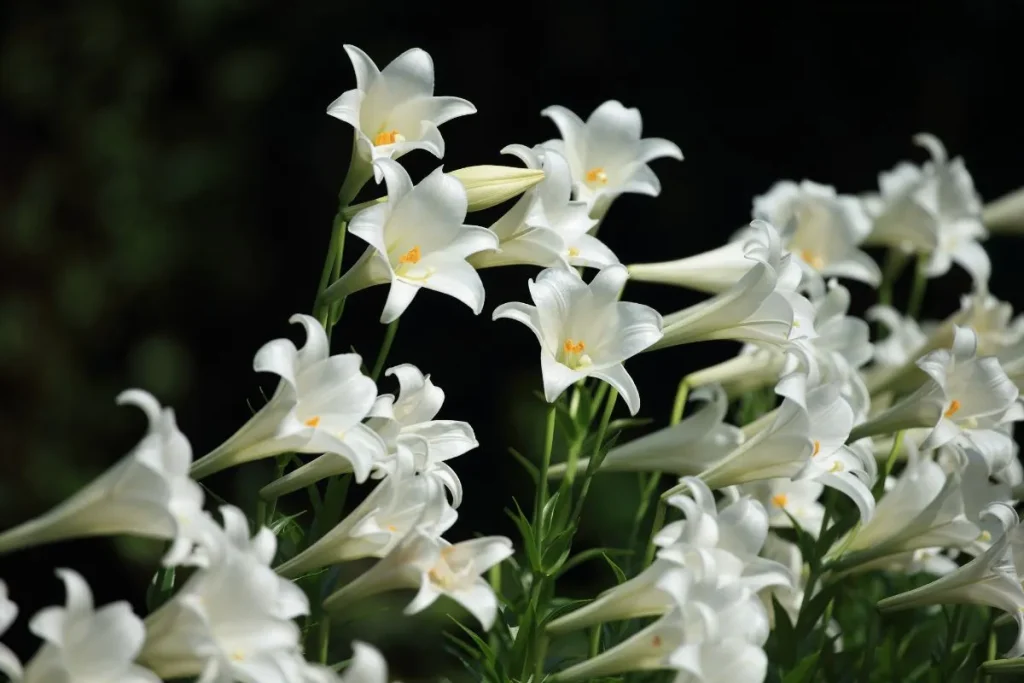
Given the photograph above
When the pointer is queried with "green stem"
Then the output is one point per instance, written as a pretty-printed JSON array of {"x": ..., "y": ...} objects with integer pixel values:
[
  {"x": 678, "y": 406},
  {"x": 573, "y": 454},
  {"x": 385, "y": 348},
  {"x": 545, "y": 465},
  {"x": 595, "y": 642},
  {"x": 890, "y": 462},
  {"x": 271, "y": 507},
  {"x": 324, "y": 638},
  {"x": 598, "y": 456},
  {"x": 917, "y": 291}
]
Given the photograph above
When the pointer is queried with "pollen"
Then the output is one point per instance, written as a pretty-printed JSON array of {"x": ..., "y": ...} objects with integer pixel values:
[
  {"x": 779, "y": 500},
  {"x": 836, "y": 467},
  {"x": 313, "y": 421},
  {"x": 412, "y": 256},
  {"x": 952, "y": 409},
  {"x": 597, "y": 175},
  {"x": 238, "y": 655},
  {"x": 817, "y": 448},
  {"x": 573, "y": 252},
  {"x": 392, "y": 528},
  {"x": 656, "y": 641},
  {"x": 573, "y": 347},
  {"x": 386, "y": 137},
  {"x": 812, "y": 259},
  {"x": 985, "y": 537}
]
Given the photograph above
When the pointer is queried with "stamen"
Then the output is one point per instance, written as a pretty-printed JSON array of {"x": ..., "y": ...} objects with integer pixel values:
[
  {"x": 952, "y": 409},
  {"x": 656, "y": 641},
  {"x": 573, "y": 252},
  {"x": 387, "y": 137},
  {"x": 817, "y": 448},
  {"x": 412, "y": 256},
  {"x": 812, "y": 259},
  {"x": 779, "y": 500},
  {"x": 985, "y": 536},
  {"x": 597, "y": 175},
  {"x": 570, "y": 347},
  {"x": 313, "y": 421},
  {"x": 837, "y": 466}
]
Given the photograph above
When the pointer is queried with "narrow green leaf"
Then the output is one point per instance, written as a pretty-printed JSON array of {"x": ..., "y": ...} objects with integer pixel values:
[
  {"x": 526, "y": 531},
  {"x": 620, "y": 576},
  {"x": 590, "y": 554},
  {"x": 530, "y": 468},
  {"x": 814, "y": 609},
  {"x": 783, "y": 638},
  {"x": 803, "y": 671}
]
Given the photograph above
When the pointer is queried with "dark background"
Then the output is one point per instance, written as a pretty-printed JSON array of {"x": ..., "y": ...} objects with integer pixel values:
[{"x": 169, "y": 179}]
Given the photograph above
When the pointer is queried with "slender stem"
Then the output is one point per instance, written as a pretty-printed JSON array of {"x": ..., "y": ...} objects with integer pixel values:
[
  {"x": 678, "y": 406},
  {"x": 338, "y": 306},
  {"x": 545, "y": 464},
  {"x": 598, "y": 456},
  {"x": 917, "y": 291},
  {"x": 324, "y": 638},
  {"x": 573, "y": 454},
  {"x": 595, "y": 642},
  {"x": 890, "y": 462},
  {"x": 271, "y": 508},
  {"x": 385, "y": 348}
]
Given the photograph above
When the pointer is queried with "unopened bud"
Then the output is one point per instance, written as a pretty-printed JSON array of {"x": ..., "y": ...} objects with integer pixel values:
[{"x": 488, "y": 186}]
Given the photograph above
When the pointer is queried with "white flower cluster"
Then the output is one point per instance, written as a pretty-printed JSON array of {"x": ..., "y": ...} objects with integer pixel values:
[{"x": 942, "y": 398}]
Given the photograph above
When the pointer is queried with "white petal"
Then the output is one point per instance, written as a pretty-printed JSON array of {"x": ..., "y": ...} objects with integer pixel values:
[
  {"x": 367, "y": 665},
  {"x": 457, "y": 279},
  {"x": 479, "y": 600},
  {"x": 556, "y": 376},
  {"x": 572, "y": 130},
  {"x": 523, "y": 313},
  {"x": 617, "y": 376},
  {"x": 656, "y": 148},
  {"x": 399, "y": 297},
  {"x": 366, "y": 70},
  {"x": 587, "y": 250},
  {"x": 973, "y": 258}
]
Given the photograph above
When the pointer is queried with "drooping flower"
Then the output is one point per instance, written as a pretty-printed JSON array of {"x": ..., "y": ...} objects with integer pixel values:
[
  {"x": 607, "y": 155},
  {"x": 753, "y": 309},
  {"x": 546, "y": 227},
  {"x": 147, "y": 493},
  {"x": 722, "y": 545},
  {"x": 82, "y": 644},
  {"x": 968, "y": 400},
  {"x": 584, "y": 330},
  {"x": 933, "y": 210},
  {"x": 410, "y": 433},
  {"x": 687, "y": 448},
  {"x": 822, "y": 228},
  {"x": 787, "y": 500},
  {"x": 10, "y": 666},
  {"x": 417, "y": 239},
  {"x": 434, "y": 567},
  {"x": 233, "y": 618},
  {"x": 992, "y": 578},
  {"x": 401, "y": 503},
  {"x": 317, "y": 407},
  {"x": 395, "y": 111}
]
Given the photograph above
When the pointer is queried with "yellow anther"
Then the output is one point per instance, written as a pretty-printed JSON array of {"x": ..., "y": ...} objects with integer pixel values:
[
  {"x": 237, "y": 655},
  {"x": 573, "y": 252},
  {"x": 411, "y": 256},
  {"x": 984, "y": 537},
  {"x": 392, "y": 527},
  {"x": 597, "y": 175},
  {"x": 812, "y": 259},
  {"x": 313, "y": 421},
  {"x": 656, "y": 641},
  {"x": 570, "y": 347},
  {"x": 817, "y": 448},
  {"x": 386, "y": 137},
  {"x": 837, "y": 467},
  {"x": 952, "y": 409},
  {"x": 779, "y": 500}
]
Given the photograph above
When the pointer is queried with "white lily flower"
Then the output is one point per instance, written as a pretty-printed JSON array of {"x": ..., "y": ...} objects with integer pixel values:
[
  {"x": 822, "y": 228},
  {"x": 417, "y": 239},
  {"x": 686, "y": 448},
  {"x": 147, "y": 493},
  {"x": 584, "y": 330},
  {"x": 399, "y": 504},
  {"x": 607, "y": 155},
  {"x": 233, "y": 618},
  {"x": 488, "y": 186},
  {"x": 840, "y": 347},
  {"x": 904, "y": 340},
  {"x": 707, "y": 545},
  {"x": 367, "y": 666},
  {"x": 317, "y": 408},
  {"x": 924, "y": 509},
  {"x": 713, "y": 633},
  {"x": 992, "y": 578},
  {"x": 752, "y": 310},
  {"x": 82, "y": 644},
  {"x": 434, "y": 567},
  {"x": 395, "y": 111},
  {"x": 790, "y": 598},
  {"x": 10, "y": 665},
  {"x": 933, "y": 210},
  {"x": 712, "y": 271},
  {"x": 409, "y": 433},
  {"x": 797, "y": 498},
  {"x": 546, "y": 227},
  {"x": 969, "y": 399}
]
